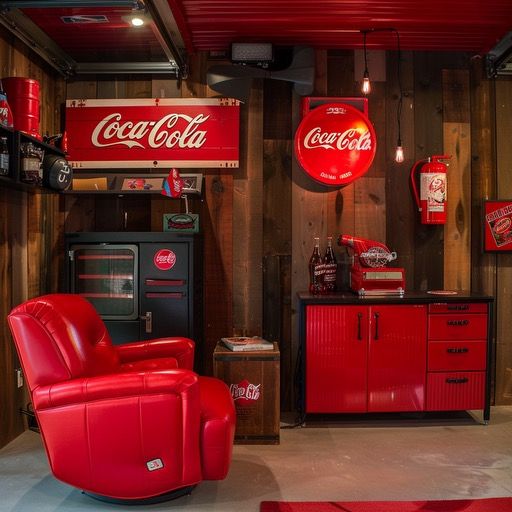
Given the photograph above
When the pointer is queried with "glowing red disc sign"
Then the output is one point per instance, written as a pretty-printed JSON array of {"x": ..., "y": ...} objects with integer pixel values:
[
  {"x": 335, "y": 144},
  {"x": 164, "y": 259}
]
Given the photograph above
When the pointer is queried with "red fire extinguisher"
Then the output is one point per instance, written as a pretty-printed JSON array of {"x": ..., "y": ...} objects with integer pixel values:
[{"x": 431, "y": 201}]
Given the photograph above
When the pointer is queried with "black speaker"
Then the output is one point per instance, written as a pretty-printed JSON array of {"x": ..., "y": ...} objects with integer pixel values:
[{"x": 57, "y": 173}]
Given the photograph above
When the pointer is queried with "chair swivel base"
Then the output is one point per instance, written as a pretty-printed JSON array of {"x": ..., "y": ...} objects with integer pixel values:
[{"x": 172, "y": 495}]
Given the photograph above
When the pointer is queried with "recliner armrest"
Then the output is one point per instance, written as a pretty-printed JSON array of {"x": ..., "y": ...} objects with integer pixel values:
[
  {"x": 182, "y": 349},
  {"x": 120, "y": 385}
]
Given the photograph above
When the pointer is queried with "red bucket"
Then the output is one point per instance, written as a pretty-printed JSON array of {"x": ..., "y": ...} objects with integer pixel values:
[{"x": 23, "y": 97}]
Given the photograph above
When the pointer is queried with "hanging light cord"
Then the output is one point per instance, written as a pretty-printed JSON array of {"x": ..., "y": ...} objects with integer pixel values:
[
  {"x": 400, "y": 98},
  {"x": 365, "y": 57}
]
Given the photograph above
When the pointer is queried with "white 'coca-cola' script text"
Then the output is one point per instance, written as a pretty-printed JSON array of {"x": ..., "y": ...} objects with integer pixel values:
[
  {"x": 248, "y": 392},
  {"x": 114, "y": 131},
  {"x": 350, "y": 139}
]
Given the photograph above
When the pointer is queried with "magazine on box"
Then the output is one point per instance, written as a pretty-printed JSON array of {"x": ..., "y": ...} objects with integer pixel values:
[{"x": 246, "y": 343}]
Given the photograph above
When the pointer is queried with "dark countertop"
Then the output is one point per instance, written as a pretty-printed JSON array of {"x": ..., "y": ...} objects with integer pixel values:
[{"x": 411, "y": 297}]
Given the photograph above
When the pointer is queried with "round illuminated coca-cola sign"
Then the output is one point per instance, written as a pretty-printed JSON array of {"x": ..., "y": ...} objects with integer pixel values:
[
  {"x": 164, "y": 259},
  {"x": 335, "y": 144}
]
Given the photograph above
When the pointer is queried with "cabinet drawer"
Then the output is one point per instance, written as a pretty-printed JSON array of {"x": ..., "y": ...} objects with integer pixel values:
[
  {"x": 457, "y": 327},
  {"x": 451, "y": 391},
  {"x": 457, "y": 355},
  {"x": 460, "y": 307}
]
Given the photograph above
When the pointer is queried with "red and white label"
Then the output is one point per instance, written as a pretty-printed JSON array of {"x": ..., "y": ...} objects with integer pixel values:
[
  {"x": 164, "y": 259},
  {"x": 335, "y": 144},
  {"x": 245, "y": 393},
  {"x": 433, "y": 190},
  {"x": 153, "y": 133}
]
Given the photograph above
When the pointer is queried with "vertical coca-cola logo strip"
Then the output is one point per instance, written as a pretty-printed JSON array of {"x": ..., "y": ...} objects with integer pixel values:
[
  {"x": 153, "y": 133},
  {"x": 335, "y": 144}
]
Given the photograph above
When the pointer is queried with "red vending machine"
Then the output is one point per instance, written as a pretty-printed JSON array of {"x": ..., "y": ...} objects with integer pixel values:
[{"x": 144, "y": 285}]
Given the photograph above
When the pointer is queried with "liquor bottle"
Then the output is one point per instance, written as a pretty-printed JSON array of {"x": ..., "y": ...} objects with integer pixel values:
[
  {"x": 4, "y": 157},
  {"x": 316, "y": 270},
  {"x": 330, "y": 267}
]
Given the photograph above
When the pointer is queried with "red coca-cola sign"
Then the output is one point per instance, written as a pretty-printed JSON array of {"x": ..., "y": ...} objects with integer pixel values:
[
  {"x": 153, "y": 133},
  {"x": 335, "y": 144},
  {"x": 164, "y": 259},
  {"x": 245, "y": 393}
]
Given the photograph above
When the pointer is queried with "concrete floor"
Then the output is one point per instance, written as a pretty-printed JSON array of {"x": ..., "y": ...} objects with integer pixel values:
[{"x": 349, "y": 459}]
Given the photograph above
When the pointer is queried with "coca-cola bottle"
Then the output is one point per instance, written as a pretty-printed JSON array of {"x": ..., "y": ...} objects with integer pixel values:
[
  {"x": 316, "y": 267},
  {"x": 330, "y": 267}
]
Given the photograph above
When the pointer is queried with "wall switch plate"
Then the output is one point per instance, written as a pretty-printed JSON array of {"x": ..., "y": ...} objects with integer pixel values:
[{"x": 19, "y": 377}]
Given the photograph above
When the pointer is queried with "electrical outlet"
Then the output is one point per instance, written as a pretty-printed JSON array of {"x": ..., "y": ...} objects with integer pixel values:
[{"x": 19, "y": 377}]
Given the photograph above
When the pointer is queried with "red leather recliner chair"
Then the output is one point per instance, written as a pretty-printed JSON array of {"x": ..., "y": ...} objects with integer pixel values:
[{"x": 121, "y": 422}]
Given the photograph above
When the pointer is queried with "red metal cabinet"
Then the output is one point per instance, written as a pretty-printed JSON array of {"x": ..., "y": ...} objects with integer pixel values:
[{"x": 365, "y": 358}]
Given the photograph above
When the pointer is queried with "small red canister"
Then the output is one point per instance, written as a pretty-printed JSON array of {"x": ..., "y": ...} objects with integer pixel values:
[{"x": 23, "y": 97}]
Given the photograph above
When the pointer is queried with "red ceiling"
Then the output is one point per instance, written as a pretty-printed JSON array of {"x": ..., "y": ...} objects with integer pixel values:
[
  {"x": 113, "y": 41},
  {"x": 455, "y": 25}
]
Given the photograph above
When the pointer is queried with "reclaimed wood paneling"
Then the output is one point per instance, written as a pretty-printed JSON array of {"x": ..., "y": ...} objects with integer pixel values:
[
  {"x": 457, "y": 143},
  {"x": 218, "y": 215},
  {"x": 483, "y": 183},
  {"x": 217, "y": 221},
  {"x": 428, "y": 137},
  {"x": 399, "y": 219},
  {"x": 277, "y": 117},
  {"x": 504, "y": 261},
  {"x": 27, "y": 225},
  {"x": 277, "y": 222},
  {"x": 483, "y": 173},
  {"x": 248, "y": 220},
  {"x": 11, "y": 397},
  {"x": 259, "y": 221},
  {"x": 85, "y": 90}
]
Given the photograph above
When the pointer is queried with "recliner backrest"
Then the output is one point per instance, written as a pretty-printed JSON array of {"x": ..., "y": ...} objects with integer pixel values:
[{"x": 60, "y": 337}]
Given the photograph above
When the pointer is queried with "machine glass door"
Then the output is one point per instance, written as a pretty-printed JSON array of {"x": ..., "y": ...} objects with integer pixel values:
[{"x": 107, "y": 276}]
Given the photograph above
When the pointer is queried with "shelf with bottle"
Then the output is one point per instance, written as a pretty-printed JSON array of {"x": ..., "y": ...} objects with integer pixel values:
[{"x": 25, "y": 160}]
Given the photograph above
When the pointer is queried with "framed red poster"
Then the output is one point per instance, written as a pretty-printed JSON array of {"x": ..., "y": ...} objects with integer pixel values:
[
  {"x": 153, "y": 133},
  {"x": 498, "y": 225}
]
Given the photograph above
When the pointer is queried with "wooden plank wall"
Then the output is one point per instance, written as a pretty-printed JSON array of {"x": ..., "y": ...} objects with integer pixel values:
[
  {"x": 28, "y": 234},
  {"x": 504, "y": 261},
  {"x": 259, "y": 221}
]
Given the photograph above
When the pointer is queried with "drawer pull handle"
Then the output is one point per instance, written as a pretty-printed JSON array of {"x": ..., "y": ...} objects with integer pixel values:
[
  {"x": 461, "y": 380},
  {"x": 458, "y": 307},
  {"x": 359, "y": 317},
  {"x": 457, "y": 350},
  {"x": 458, "y": 323}
]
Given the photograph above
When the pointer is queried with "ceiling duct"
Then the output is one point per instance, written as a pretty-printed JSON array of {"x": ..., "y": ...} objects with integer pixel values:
[
  {"x": 499, "y": 59},
  {"x": 234, "y": 81}
]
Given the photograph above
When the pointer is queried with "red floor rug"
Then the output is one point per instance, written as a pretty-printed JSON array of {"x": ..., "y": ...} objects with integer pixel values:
[{"x": 483, "y": 505}]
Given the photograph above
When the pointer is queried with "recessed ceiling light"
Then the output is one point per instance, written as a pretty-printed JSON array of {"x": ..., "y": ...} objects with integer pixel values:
[{"x": 137, "y": 21}]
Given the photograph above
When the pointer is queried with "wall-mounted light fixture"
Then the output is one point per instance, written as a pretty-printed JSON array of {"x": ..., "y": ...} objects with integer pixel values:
[{"x": 252, "y": 53}]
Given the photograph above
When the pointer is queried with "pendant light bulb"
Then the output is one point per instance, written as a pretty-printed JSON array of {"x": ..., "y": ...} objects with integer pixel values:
[
  {"x": 366, "y": 86},
  {"x": 399, "y": 153}
]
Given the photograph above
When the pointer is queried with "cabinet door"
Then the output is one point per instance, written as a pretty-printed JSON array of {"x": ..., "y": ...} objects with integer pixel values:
[
  {"x": 397, "y": 358},
  {"x": 336, "y": 355},
  {"x": 106, "y": 275},
  {"x": 165, "y": 290}
]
